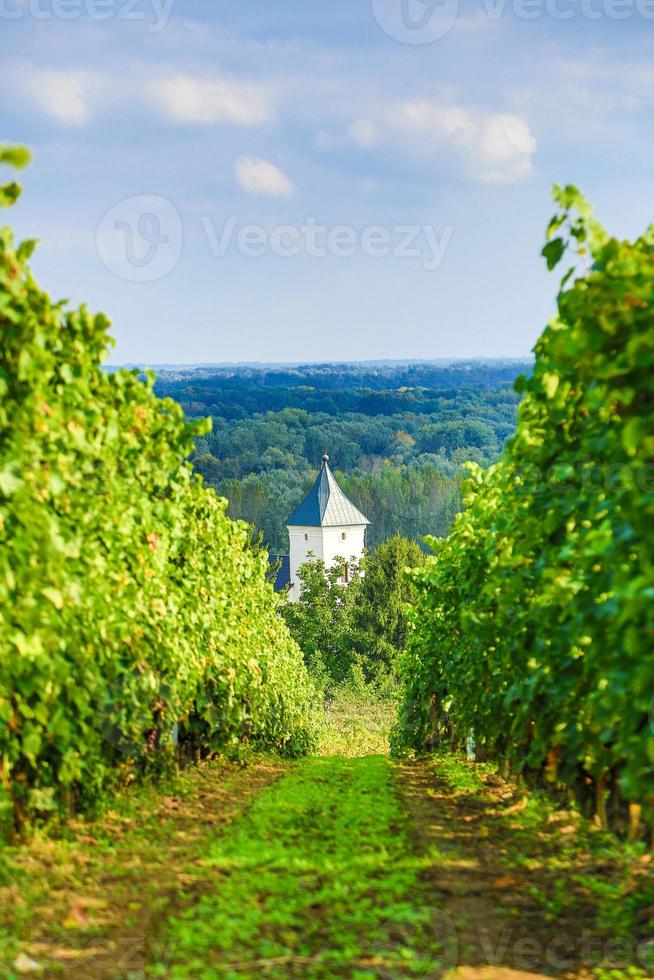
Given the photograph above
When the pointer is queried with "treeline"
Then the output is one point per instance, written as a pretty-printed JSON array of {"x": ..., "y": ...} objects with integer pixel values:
[
  {"x": 403, "y": 467},
  {"x": 136, "y": 623},
  {"x": 405, "y": 501},
  {"x": 476, "y": 423},
  {"x": 386, "y": 389},
  {"x": 533, "y": 625}
]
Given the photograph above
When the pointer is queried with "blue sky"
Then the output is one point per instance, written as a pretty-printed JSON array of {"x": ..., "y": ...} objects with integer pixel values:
[{"x": 181, "y": 146}]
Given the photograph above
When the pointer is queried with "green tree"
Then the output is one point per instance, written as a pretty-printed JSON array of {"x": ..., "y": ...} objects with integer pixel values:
[
  {"x": 361, "y": 622},
  {"x": 322, "y": 619},
  {"x": 380, "y": 613}
]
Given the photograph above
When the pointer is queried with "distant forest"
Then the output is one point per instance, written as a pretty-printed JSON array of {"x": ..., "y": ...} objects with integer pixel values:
[{"x": 397, "y": 436}]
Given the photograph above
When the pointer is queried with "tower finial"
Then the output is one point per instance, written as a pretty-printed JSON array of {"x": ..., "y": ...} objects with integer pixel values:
[{"x": 325, "y": 457}]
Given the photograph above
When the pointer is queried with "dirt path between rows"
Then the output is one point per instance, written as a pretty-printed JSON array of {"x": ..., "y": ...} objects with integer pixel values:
[
  {"x": 109, "y": 892},
  {"x": 442, "y": 857},
  {"x": 494, "y": 927}
]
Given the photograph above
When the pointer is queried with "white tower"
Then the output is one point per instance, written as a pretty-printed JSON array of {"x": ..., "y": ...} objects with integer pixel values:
[{"x": 326, "y": 525}]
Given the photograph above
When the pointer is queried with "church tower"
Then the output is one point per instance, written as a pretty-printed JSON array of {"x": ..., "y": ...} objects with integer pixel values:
[{"x": 326, "y": 525}]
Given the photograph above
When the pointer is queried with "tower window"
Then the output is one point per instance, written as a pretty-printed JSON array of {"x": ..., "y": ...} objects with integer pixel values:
[
  {"x": 306, "y": 537},
  {"x": 343, "y": 536}
]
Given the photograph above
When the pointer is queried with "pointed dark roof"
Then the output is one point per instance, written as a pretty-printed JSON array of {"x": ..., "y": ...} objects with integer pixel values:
[{"x": 326, "y": 505}]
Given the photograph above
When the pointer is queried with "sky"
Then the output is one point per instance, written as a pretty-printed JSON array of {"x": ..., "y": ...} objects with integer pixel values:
[{"x": 310, "y": 180}]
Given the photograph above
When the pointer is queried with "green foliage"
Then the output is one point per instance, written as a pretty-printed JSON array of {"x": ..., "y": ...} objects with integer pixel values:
[
  {"x": 322, "y": 619},
  {"x": 17, "y": 157},
  {"x": 534, "y": 621},
  {"x": 132, "y": 606},
  {"x": 355, "y": 628},
  {"x": 380, "y": 611}
]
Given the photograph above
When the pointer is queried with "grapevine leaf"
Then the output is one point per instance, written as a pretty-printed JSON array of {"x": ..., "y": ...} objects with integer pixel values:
[
  {"x": 15, "y": 156},
  {"x": 553, "y": 252}
]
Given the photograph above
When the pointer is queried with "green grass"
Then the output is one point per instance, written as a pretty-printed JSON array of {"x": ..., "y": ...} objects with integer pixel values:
[
  {"x": 317, "y": 879},
  {"x": 462, "y": 777},
  {"x": 357, "y": 724}
]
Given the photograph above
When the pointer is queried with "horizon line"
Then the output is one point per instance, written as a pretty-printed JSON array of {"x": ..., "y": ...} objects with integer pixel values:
[{"x": 390, "y": 361}]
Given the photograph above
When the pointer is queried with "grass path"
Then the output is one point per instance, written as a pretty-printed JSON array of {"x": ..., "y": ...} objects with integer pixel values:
[
  {"x": 315, "y": 879},
  {"x": 362, "y": 868},
  {"x": 338, "y": 866},
  {"x": 87, "y": 905}
]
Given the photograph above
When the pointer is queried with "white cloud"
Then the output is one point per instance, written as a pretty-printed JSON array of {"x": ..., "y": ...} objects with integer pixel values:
[
  {"x": 363, "y": 132},
  {"x": 426, "y": 118},
  {"x": 189, "y": 99},
  {"x": 62, "y": 95},
  {"x": 506, "y": 146},
  {"x": 73, "y": 97},
  {"x": 257, "y": 176},
  {"x": 492, "y": 147}
]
